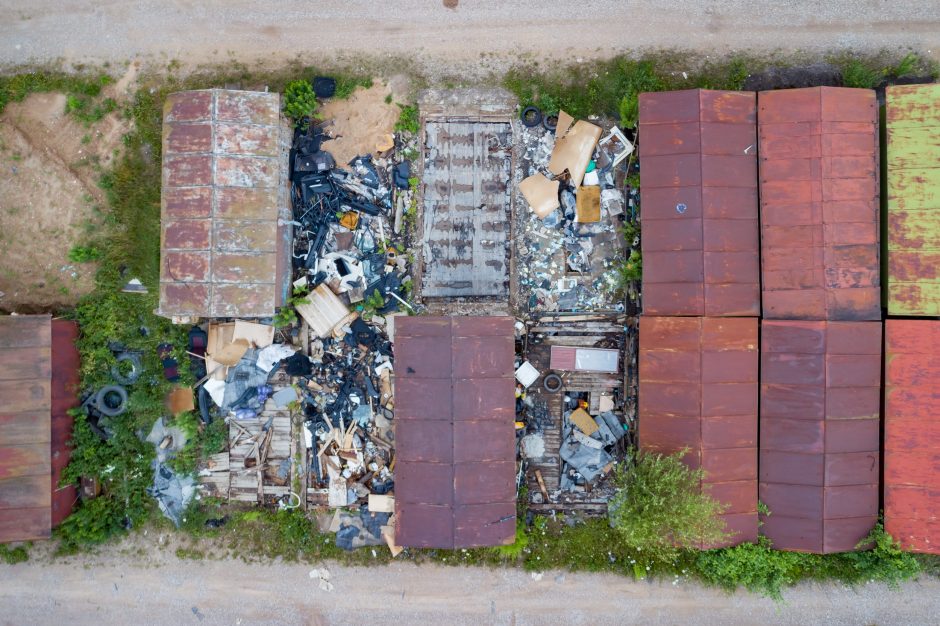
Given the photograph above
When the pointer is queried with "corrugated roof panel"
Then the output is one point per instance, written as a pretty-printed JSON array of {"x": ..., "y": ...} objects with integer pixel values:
[
  {"x": 819, "y": 432},
  {"x": 25, "y": 427},
  {"x": 455, "y": 434},
  {"x": 224, "y": 181},
  {"x": 698, "y": 390},
  {"x": 912, "y": 113},
  {"x": 912, "y": 434},
  {"x": 699, "y": 198},
  {"x": 819, "y": 203}
]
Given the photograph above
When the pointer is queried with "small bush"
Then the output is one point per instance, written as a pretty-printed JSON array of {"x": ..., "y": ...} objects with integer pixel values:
[
  {"x": 299, "y": 100},
  {"x": 660, "y": 508},
  {"x": 408, "y": 119}
]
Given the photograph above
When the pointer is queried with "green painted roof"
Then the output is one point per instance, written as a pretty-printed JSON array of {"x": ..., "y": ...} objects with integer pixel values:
[{"x": 912, "y": 114}]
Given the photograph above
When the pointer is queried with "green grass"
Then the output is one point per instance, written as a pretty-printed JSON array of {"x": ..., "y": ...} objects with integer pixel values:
[
  {"x": 12, "y": 556},
  {"x": 408, "y": 121}
]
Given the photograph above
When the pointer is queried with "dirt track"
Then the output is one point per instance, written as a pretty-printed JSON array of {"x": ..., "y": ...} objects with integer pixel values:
[
  {"x": 475, "y": 33},
  {"x": 120, "y": 590}
]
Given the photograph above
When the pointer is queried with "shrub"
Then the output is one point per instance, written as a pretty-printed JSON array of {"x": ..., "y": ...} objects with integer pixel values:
[
  {"x": 299, "y": 100},
  {"x": 660, "y": 508},
  {"x": 407, "y": 119}
]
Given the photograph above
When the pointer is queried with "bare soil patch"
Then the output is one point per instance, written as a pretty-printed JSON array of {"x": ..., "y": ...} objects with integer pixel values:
[
  {"x": 49, "y": 197},
  {"x": 359, "y": 122}
]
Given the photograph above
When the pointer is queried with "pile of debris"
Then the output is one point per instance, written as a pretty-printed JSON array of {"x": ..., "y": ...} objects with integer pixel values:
[{"x": 572, "y": 178}]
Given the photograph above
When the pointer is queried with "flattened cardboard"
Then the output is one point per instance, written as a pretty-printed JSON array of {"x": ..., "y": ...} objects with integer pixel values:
[
  {"x": 219, "y": 336},
  {"x": 379, "y": 503},
  {"x": 180, "y": 400},
  {"x": 261, "y": 335},
  {"x": 588, "y": 207},
  {"x": 541, "y": 194},
  {"x": 231, "y": 353},
  {"x": 573, "y": 147},
  {"x": 583, "y": 421}
]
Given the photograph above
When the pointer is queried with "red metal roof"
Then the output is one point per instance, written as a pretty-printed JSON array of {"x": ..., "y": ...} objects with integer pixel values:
[
  {"x": 819, "y": 203},
  {"x": 819, "y": 434},
  {"x": 25, "y": 431},
  {"x": 912, "y": 434},
  {"x": 698, "y": 153},
  {"x": 64, "y": 396},
  {"x": 224, "y": 183},
  {"x": 698, "y": 389},
  {"x": 454, "y": 432}
]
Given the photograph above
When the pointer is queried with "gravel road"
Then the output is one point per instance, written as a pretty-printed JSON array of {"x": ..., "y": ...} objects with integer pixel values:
[
  {"x": 119, "y": 589},
  {"x": 473, "y": 33}
]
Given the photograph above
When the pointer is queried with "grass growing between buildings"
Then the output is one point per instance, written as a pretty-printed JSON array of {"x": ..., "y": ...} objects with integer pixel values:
[{"x": 129, "y": 247}]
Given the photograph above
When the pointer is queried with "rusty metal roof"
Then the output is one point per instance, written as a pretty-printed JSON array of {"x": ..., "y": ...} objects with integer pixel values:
[
  {"x": 912, "y": 434},
  {"x": 465, "y": 225},
  {"x": 698, "y": 389},
  {"x": 224, "y": 184},
  {"x": 819, "y": 433},
  {"x": 454, "y": 432},
  {"x": 64, "y": 396},
  {"x": 25, "y": 428},
  {"x": 698, "y": 153},
  {"x": 819, "y": 203},
  {"x": 912, "y": 113}
]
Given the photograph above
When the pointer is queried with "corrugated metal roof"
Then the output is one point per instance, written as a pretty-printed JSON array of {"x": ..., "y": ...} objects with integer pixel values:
[
  {"x": 64, "y": 396},
  {"x": 468, "y": 165},
  {"x": 912, "y": 434},
  {"x": 819, "y": 203},
  {"x": 698, "y": 153},
  {"x": 913, "y": 203},
  {"x": 454, "y": 432},
  {"x": 224, "y": 185},
  {"x": 698, "y": 389},
  {"x": 25, "y": 428},
  {"x": 819, "y": 435}
]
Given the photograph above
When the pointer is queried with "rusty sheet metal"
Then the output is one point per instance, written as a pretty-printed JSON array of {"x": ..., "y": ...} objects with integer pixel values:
[
  {"x": 912, "y": 114},
  {"x": 25, "y": 428},
  {"x": 819, "y": 433},
  {"x": 465, "y": 218},
  {"x": 698, "y": 390},
  {"x": 819, "y": 204},
  {"x": 454, "y": 432},
  {"x": 912, "y": 434},
  {"x": 698, "y": 151},
  {"x": 223, "y": 253},
  {"x": 63, "y": 397}
]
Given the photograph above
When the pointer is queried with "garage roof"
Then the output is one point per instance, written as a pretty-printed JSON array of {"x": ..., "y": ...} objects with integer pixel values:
[
  {"x": 224, "y": 182},
  {"x": 699, "y": 197},
  {"x": 454, "y": 432},
  {"x": 912, "y": 434},
  {"x": 698, "y": 390},
  {"x": 819, "y": 203},
  {"x": 912, "y": 113},
  {"x": 819, "y": 433}
]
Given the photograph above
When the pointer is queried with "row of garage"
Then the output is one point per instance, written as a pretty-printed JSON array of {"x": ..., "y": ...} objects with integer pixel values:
[{"x": 765, "y": 318}]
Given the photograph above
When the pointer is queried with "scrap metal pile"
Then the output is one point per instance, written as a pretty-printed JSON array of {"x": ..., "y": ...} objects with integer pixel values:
[{"x": 572, "y": 178}]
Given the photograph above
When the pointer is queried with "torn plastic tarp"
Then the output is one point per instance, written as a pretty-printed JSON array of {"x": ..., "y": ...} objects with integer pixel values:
[
  {"x": 172, "y": 492},
  {"x": 589, "y": 461},
  {"x": 364, "y": 529},
  {"x": 243, "y": 376},
  {"x": 159, "y": 432}
]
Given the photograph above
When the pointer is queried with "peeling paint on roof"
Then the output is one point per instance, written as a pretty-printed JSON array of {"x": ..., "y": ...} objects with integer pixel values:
[
  {"x": 912, "y": 113},
  {"x": 224, "y": 181},
  {"x": 819, "y": 204}
]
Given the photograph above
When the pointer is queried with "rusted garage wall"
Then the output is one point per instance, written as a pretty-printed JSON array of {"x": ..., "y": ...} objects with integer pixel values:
[
  {"x": 699, "y": 196},
  {"x": 819, "y": 204},
  {"x": 454, "y": 432},
  {"x": 224, "y": 171},
  {"x": 912, "y": 434},
  {"x": 912, "y": 114},
  {"x": 819, "y": 434},
  {"x": 698, "y": 389}
]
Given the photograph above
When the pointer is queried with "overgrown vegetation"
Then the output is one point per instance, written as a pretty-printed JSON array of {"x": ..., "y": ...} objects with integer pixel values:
[
  {"x": 299, "y": 100},
  {"x": 12, "y": 556},
  {"x": 660, "y": 508},
  {"x": 407, "y": 119},
  {"x": 287, "y": 314},
  {"x": 84, "y": 254}
]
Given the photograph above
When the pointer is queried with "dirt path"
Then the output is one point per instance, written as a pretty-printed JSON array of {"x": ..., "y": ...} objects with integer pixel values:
[
  {"x": 474, "y": 34},
  {"x": 140, "y": 590}
]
